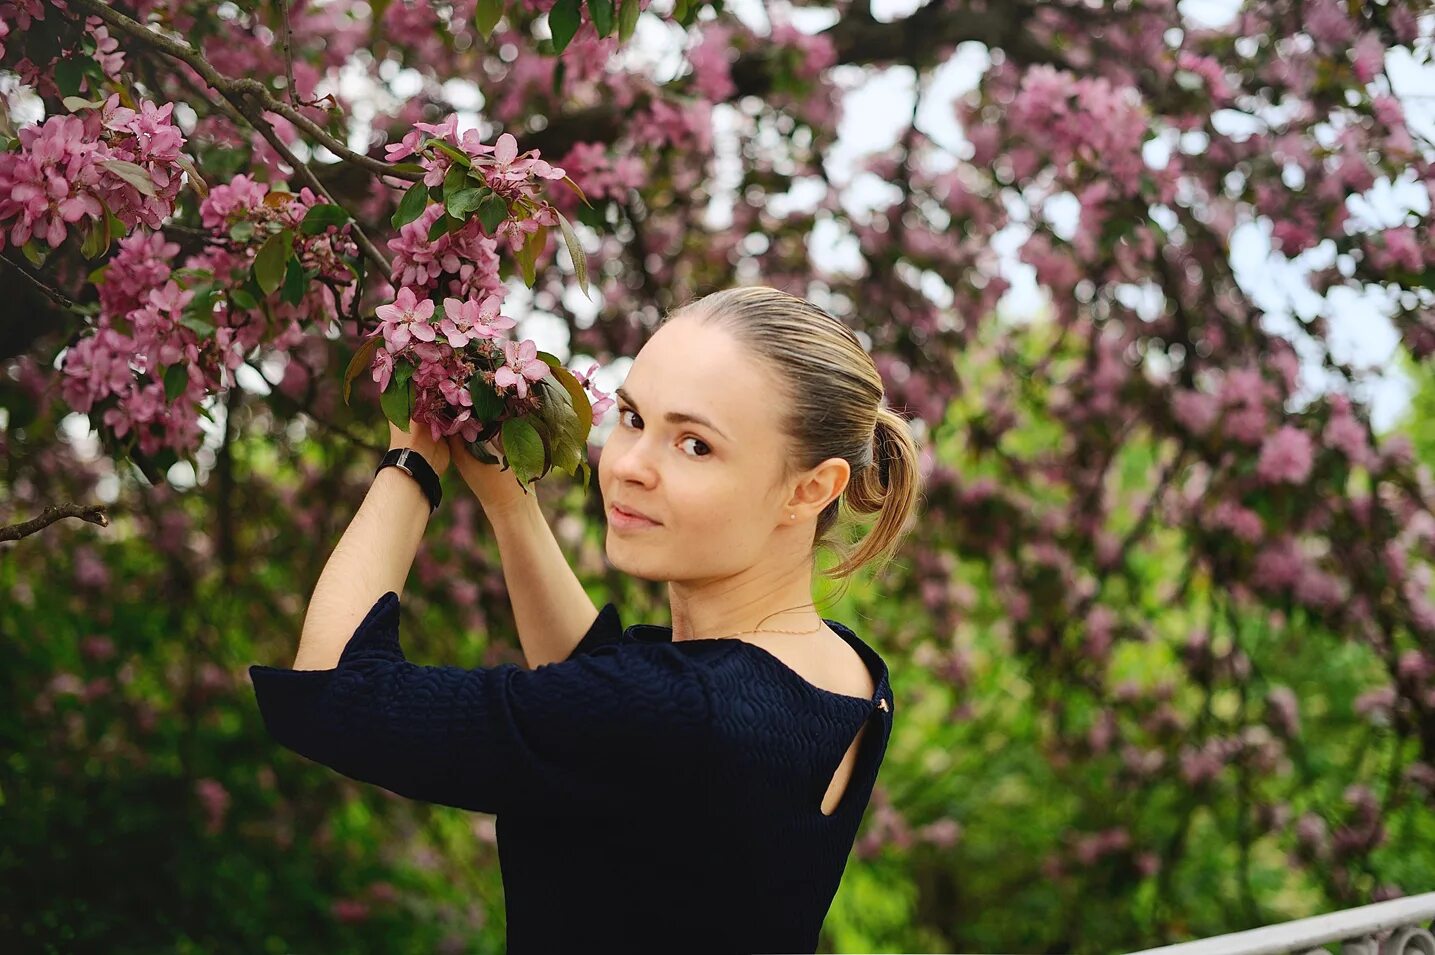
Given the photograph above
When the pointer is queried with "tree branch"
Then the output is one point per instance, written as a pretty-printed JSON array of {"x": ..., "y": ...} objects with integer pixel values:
[
  {"x": 239, "y": 92},
  {"x": 53, "y": 294},
  {"x": 93, "y": 513}
]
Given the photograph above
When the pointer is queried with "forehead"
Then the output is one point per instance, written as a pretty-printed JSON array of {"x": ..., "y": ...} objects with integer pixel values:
[{"x": 689, "y": 367}]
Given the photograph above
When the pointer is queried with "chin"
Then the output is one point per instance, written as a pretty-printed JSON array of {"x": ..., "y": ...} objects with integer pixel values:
[{"x": 620, "y": 558}]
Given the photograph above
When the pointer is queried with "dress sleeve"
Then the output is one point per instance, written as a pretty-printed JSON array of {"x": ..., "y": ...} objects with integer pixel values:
[
  {"x": 606, "y": 631},
  {"x": 592, "y": 732}
]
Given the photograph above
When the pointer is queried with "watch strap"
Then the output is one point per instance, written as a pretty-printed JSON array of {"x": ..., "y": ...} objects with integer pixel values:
[{"x": 414, "y": 464}]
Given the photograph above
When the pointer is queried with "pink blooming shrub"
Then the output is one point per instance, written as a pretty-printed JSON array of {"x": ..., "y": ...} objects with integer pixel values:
[
  {"x": 71, "y": 168},
  {"x": 1286, "y": 456}
]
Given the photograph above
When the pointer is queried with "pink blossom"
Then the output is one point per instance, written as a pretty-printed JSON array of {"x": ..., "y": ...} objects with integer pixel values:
[
  {"x": 1368, "y": 56},
  {"x": 225, "y": 200},
  {"x": 522, "y": 366},
  {"x": 472, "y": 320},
  {"x": 383, "y": 367},
  {"x": 405, "y": 318},
  {"x": 1195, "y": 410},
  {"x": 410, "y": 144},
  {"x": 1241, "y": 521},
  {"x": 1287, "y": 455},
  {"x": 1327, "y": 23}
]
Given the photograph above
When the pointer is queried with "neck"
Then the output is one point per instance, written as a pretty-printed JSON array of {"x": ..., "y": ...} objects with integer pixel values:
[{"x": 762, "y": 599}]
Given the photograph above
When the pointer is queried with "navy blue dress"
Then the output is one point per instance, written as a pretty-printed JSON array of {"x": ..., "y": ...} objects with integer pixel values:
[{"x": 650, "y": 795}]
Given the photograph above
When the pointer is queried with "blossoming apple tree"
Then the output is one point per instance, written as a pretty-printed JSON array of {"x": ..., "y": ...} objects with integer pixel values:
[{"x": 207, "y": 185}]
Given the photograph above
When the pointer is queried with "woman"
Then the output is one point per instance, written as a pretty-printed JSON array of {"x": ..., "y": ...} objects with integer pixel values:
[{"x": 696, "y": 787}]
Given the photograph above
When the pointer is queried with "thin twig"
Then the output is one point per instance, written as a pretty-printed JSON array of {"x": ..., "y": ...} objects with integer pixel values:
[
  {"x": 284, "y": 45},
  {"x": 238, "y": 92},
  {"x": 53, "y": 294},
  {"x": 183, "y": 51},
  {"x": 256, "y": 120},
  {"x": 93, "y": 513}
]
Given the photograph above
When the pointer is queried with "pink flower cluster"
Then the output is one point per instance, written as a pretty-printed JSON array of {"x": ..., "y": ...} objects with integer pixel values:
[
  {"x": 22, "y": 14},
  {"x": 1063, "y": 118},
  {"x": 70, "y": 168},
  {"x": 444, "y": 364},
  {"x": 125, "y": 358}
]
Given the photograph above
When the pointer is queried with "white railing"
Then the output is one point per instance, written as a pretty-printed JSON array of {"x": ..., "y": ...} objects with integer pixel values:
[{"x": 1397, "y": 927}]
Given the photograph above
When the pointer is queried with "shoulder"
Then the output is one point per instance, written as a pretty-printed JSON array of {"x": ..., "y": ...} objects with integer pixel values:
[{"x": 828, "y": 662}]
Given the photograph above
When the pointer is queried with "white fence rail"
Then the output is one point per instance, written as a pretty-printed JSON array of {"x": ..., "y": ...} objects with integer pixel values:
[{"x": 1397, "y": 927}]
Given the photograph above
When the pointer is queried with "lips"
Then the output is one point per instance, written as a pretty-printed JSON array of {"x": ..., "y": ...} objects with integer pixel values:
[{"x": 632, "y": 513}]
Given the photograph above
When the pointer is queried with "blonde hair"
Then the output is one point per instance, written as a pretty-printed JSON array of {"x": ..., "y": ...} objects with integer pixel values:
[{"x": 833, "y": 395}]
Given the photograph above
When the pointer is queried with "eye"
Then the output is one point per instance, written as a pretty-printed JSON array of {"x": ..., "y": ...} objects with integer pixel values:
[{"x": 622, "y": 410}]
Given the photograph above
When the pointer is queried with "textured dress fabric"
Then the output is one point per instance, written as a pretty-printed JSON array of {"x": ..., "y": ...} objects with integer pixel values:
[{"x": 650, "y": 795}]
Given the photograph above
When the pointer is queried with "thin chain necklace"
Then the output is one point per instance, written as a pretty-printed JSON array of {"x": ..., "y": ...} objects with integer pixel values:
[{"x": 771, "y": 630}]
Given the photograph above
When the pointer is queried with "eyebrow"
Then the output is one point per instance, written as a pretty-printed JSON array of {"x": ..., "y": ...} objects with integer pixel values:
[{"x": 676, "y": 417}]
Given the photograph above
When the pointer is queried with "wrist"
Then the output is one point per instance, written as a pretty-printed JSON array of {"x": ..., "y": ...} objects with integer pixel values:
[{"x": 416, "y": 466}]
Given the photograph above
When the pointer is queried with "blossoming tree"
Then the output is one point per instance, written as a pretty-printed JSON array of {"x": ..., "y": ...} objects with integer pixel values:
[{"x": 212, "y": 185}]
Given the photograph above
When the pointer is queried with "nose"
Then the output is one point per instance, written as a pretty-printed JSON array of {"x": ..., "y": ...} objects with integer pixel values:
[{"x": 627, "y": 459}]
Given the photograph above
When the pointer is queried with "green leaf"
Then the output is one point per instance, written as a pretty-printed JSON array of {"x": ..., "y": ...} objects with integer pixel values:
[
  {"x": 527, "y": 257},
  {"x": 485, "y": 16},
  {"x": 442, "y": 225},
  {"x": 602, "y": 13},
  {"x": 492, "y": 212},
  {"x": 454, "y": 153},
  {"x": 176, "y": 379},
  {"x": 67, "y": 74},
  {"x": 242, "y": 231},
  {"x": 294, "y": 283},
  {"x": 97, "y": 239},
  {"x": 566, "y": 414},
  {"x": 397, "y": 399},
  {"x": 35, "y": 252},
  {"x": 320, "y": 217},
  {"x": 130, "y": 173},
  {"x": 463, "y": 201},
  {"x": 627, "y": 20},
  {"x": 487, "y": 403},
  {"x": 269, "y": 263},
  {"x": 363, "y": 358},
  {"x": 524, "y": 448},
  {"x": 455, "y": 179},
  {"x": 563, "y": 20},
  {"x": 575, "y": 251},
  {"x": 411, "y": 206},
  {"x": 197, "y": 324},
  {"x": 243, "y": 299},
  {"x": 76, "y": 103}
]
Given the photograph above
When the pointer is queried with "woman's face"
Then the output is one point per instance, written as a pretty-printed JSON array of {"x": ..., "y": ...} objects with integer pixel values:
[{"x": 710, "y": 486}]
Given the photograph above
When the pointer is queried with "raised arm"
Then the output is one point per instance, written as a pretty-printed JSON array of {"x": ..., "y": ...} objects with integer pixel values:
[
  {"x": 595, "y": 734},
  {"x": 550, "y": 607},
  {"x": 373, "y": 556}
]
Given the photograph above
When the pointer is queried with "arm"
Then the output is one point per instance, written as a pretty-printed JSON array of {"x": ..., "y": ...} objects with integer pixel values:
[
  {"x": 373, "y": 555},
  {"x": 592, "y": 734},
  {"x": 550, "y": 607}
]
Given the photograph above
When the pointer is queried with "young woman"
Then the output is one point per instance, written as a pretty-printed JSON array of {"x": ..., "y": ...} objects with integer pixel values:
[{"x": 693, "y": 787}]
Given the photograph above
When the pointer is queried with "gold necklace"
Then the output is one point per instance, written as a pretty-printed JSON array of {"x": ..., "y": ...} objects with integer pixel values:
[{"x": 770, "y": 630}]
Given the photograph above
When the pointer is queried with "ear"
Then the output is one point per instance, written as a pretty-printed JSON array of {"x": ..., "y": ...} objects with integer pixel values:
[{"x": 820, "y": 486}]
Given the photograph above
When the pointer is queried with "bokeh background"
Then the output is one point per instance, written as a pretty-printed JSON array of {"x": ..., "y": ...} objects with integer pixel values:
[{"x": 1152, "y": 282}]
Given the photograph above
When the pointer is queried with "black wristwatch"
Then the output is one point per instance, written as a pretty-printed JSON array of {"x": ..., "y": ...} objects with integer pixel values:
[{"x": 412, "y": 463}]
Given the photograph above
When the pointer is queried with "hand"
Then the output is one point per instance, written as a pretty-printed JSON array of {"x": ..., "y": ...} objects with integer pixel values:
[
  {"x": 497, "y": 490},
  {"x": 436, "y": 453}
]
